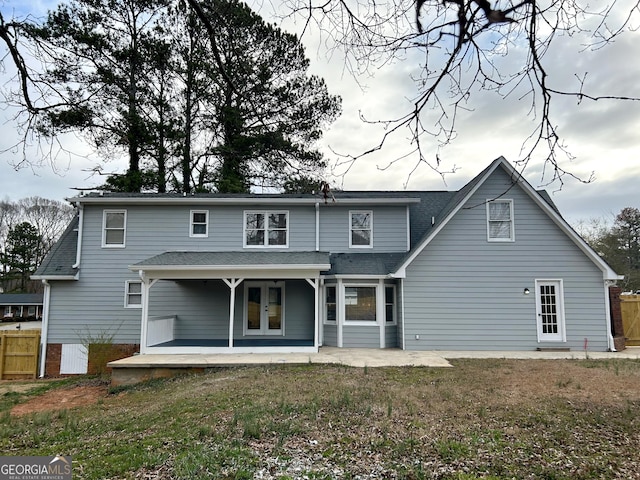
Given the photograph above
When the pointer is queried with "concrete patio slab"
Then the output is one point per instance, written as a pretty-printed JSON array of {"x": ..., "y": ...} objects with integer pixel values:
[{"x": 140, "y": 368}]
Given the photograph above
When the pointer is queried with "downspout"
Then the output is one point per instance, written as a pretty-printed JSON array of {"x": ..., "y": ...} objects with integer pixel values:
[
  {"x": 321, "y": 311},
  {"x": 607, "y": 315},
  {"x": 45, "y": 326},
  {"x": 80, "y": 228},
  {"x": 317, "y": 226}
]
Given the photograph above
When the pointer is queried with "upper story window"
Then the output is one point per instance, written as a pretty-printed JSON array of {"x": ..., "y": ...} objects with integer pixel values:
[
  {"x": 266, "y": 229},
  {"x": 500, "y": 221},
  {"x": 114, "y": 226},
  {"x": 199, "y": 223},
  {"x": 360, "y": 229}
]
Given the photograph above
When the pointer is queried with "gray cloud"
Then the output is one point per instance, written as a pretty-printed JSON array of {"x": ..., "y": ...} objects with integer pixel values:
[{"x": 602, "y": 135}]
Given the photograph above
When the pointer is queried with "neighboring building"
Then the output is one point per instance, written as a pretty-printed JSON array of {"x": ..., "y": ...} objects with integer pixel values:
[
  {"x": 492, "y": 266},
  {"x": 20, "y": 306}
]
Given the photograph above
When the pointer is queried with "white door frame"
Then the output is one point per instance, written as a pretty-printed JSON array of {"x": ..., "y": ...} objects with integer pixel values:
[
  {"x": 264, "y": 307},
  {"x": 551, "y": 306}
]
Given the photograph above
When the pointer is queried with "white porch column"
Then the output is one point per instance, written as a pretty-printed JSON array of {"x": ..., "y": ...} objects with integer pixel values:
[
  {"x": 314, "y": 282},
  {"x": 380, "y": 311},
  {"x": 232, "y": 283},
  {"x": 146, "y": 287},
  {"x": 340, "y": 319}
]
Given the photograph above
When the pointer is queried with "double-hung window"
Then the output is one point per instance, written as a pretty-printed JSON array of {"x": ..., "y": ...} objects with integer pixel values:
[
  {"x": 500, "y": 226},
  {"x": 266, "y": 229},
  {"x": 199, "y": 224},
  {"x": 133, "y": 294},
  {"x": 389, "y": 304},
  {"x": 331, "y": 314},
  {"x": 360, "y": 229},
  {"x": 114, "y": 226}
]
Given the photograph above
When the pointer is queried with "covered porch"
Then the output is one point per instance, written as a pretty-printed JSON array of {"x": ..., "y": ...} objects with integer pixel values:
[{"x": 230, "y": 302}]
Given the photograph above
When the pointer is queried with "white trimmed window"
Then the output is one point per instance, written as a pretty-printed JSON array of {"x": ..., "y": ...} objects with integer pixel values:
[
  {"x": 7, "y": 311},
  {"x": 199, "y": 224},
  {"x": 114, "y": 226},
  {"x": 390, "y": 304},
  {"x": 266, "y": 229},
  {"x": 331, "y": 312},
  {"x": 361, "y": 229},
  {"x": 500, "y": 221},
  {"x": 133, "y": 294},
  {"x": 360, "y": 303}
]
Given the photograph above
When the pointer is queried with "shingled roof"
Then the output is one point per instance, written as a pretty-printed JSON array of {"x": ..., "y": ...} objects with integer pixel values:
[
  {"x": 427, "y": 211},
  {"x": 62, "y": 256}
]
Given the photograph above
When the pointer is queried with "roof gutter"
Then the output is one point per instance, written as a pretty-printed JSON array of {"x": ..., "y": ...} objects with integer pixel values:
[{"x": 152, "y": 200}]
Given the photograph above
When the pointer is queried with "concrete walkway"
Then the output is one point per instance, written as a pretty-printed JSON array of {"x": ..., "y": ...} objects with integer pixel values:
[
  {"x": 23, "y": 325},
  {"x": 354, "y": 357}
]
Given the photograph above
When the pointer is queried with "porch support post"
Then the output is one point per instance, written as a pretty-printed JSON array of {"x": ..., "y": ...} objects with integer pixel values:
[
  {"x": 314, "y": 282},
  {"x": 146, "y": 287},
  {"x": 380, "y": 311},
  {"x": 232, "y": 283}
]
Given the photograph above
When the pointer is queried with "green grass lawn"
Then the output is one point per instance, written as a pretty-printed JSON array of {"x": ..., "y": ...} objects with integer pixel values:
[{"x": 494, "y": 419}]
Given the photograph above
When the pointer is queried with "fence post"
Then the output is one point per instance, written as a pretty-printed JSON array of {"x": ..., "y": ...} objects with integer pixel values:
[{"x": 3, "y": 346}]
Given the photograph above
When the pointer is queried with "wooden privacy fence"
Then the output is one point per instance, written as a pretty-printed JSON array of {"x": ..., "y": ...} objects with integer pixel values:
[
  {"x": 19, "y": 354},
  {"x": 630, "y": 307}
]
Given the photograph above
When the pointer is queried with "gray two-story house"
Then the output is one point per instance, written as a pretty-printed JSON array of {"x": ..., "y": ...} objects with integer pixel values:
[{"x": 492, "y": 266}]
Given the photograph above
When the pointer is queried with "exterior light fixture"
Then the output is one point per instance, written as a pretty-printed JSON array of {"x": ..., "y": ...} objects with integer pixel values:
[{"x": 526, "y": 291}]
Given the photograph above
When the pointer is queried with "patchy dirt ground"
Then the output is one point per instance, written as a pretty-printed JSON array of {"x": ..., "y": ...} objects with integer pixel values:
[{"x": 60, "y": 399}]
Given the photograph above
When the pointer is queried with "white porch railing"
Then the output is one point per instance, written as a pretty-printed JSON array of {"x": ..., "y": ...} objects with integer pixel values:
[{"x": 160, "y": 329}]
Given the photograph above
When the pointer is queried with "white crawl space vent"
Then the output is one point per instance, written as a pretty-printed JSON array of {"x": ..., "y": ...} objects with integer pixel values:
[{"x": 74, "y": 359}]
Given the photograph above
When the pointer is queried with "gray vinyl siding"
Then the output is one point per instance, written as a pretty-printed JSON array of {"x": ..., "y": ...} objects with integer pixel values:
[
  {"x": 361, "y": 336},
  {"x": 465, "y": 293},
  {"x": 330, "y": 335},
  {"x": 80, "y": 311},
  {"x": 389, "y": 229},
  {"x": 94, "y": 304},
  {"x": 390, "y": 336},
  {"x": 201, "y": 308}
]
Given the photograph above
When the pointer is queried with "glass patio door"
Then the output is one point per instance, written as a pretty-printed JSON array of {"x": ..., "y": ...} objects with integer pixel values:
[{"x": 264, "y": 308}]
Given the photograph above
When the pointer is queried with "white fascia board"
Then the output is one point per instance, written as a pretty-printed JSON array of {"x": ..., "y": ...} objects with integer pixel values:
[
  {"x": 238, "y": 201},
  {"x": 54, "y": 277},
  {"x": 151, "y": 268},
  {"x": 607, "y": 272},
  {"x": 358, "y": 277},
  {"x": 401, "y": 270},
  {"x": 177, "y": 272}
]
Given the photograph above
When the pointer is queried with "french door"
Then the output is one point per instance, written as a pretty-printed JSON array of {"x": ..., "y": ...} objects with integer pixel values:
[
  {"x": 550, "y": 310},
  {"x": 264, "y": 308}
]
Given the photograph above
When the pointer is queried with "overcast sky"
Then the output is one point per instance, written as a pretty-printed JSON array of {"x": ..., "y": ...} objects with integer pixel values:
[{"x": 604, "y": 136}]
